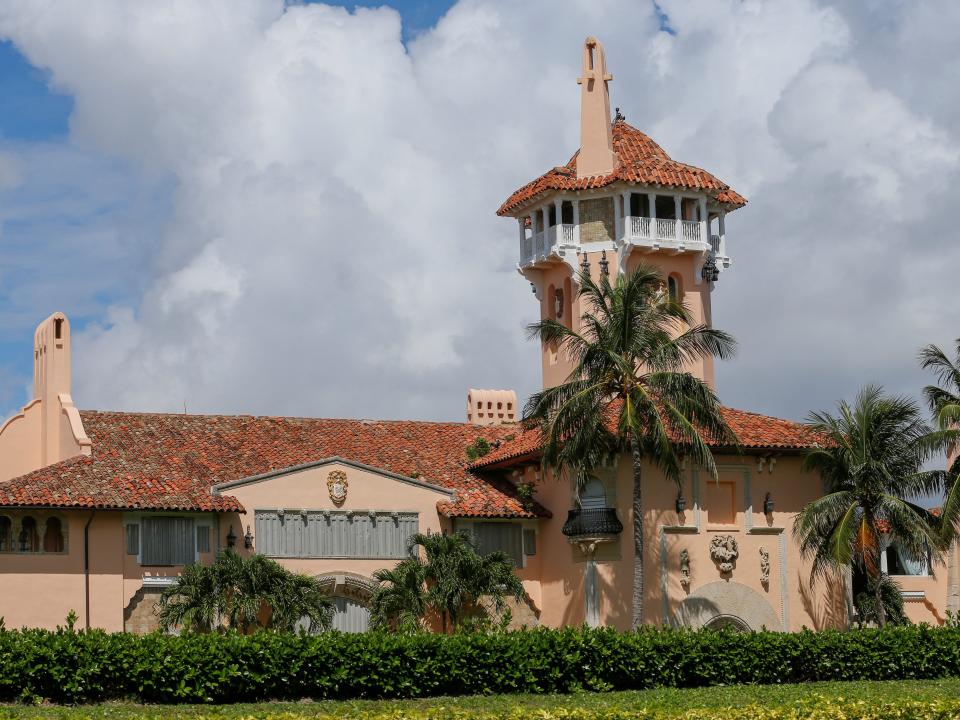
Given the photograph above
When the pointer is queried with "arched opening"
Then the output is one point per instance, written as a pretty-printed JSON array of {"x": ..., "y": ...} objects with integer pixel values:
[
  {"x": 593, "y": 495},
  {"x": 350, "y": 594},
  {"x": 53, "y": 536},
  {"x": 6, "y": 534},
  {"x": 28, "y": 539},
  {"x": 674, "y": 289},
  {"x": 728, "y": 622}
]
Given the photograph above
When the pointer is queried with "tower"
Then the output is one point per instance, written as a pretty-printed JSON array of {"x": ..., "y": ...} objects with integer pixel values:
[{"x": 620, "y": 200}]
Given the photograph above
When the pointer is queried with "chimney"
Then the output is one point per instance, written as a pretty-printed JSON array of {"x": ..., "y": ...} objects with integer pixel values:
[
  {"x": 491, "y": 407},
  {"x": 596, "y": 134}
]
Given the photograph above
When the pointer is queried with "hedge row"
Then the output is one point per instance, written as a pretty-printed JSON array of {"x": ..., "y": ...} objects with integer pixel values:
[{"x": 67, "y": 667}]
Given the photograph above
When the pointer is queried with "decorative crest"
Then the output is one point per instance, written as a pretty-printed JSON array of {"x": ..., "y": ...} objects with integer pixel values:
[{"x": 337, "y": 485}]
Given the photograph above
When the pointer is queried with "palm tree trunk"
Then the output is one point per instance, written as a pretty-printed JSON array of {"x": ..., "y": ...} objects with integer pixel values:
[
  {"x": 637, "y": 534},
  {"x": 878, "y": 599}
]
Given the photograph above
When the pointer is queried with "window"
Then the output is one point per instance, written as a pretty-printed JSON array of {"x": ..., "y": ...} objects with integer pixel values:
[
  {"x": 29, "y": 539},
  {"x": 529, "y": 541},
  {"x": 899, "y": 562},
  {"x": 720, "y": 502},
  {"x": 203, "y": 539},
  {"x": 53, "y": 536},
  {"x": 334, "y": 533},
  {"x": 167, "y": 541},
  {"x": 566, "y": 212},
  {"x": 674, "y": 291},
  {"x": 6, "y": 534},
  {"x": 133, "y": 539},
  {"x": 593, "y": 496},
  {"x": 558, "y": 304},
  {"x": 500, "y": 536}
]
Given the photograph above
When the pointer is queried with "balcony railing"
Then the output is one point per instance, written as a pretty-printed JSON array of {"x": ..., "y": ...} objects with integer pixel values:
[
  {"x": 592, "y": 522},
  {"x": 539, "y": 246}
]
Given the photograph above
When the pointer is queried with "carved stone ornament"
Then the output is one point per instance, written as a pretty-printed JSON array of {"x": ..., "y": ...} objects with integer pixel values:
[
  {"x": 685, "y": 568},
  {"x": 337, "y": 485},
  {"x": 764, "y": 565},
  {"x": 724, "y": 550}
]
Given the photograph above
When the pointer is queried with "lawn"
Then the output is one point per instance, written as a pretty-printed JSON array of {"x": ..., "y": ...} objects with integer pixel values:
[{"x": 664, "y": 702}]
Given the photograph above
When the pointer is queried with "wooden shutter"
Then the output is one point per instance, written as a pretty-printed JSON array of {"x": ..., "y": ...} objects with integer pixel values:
[{"x": 133, "y": 539}]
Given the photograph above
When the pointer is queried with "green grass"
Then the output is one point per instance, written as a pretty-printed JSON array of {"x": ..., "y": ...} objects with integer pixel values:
[{"x": 669, "y": 702}]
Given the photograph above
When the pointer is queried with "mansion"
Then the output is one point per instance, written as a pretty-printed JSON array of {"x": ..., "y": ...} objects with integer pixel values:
[{"x": 100, "y": 511}]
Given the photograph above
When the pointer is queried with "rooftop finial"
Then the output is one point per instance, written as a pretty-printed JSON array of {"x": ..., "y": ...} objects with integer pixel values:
[{"x": 596, "y": 135}]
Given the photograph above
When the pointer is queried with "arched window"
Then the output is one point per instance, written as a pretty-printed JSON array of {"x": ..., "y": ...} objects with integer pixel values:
[
  {"x": 53, "y": 536},
  {"x": 558, "y": 305},
  {"x": 674, "y": 291},
  {"x": 593, "y": 495},
  {"x": 29, "y": 539},
  {"x": 6, "y": 534}
]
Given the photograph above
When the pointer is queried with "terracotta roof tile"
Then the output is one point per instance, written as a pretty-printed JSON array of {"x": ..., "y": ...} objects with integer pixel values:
[
  {"x": 753, "y": 431},
  {"x": 169, "y": 462},
  {"x": 639, "y": 160}
]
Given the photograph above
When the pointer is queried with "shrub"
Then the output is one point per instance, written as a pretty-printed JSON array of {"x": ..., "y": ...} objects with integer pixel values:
[{"x": 66, "y": 667}]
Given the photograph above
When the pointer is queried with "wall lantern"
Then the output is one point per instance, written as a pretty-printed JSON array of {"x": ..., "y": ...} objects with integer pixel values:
[
  {"x": 710, "y": 271},
  {"x": 248, "y": 539},
  {"x": 231, "y": 537},
  {"x": 767, "y": 504},
  {"x": 681, "y": 502}
]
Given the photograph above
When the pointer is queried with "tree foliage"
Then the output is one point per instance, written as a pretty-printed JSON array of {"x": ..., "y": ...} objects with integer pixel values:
[
  {"x": 451, "y": 578},
  {"x": 872, "y": 467},
  {"x": 244, "y": 593},
  {"x": 630, "y": 388},
  {"x": 943, "y": 399}
]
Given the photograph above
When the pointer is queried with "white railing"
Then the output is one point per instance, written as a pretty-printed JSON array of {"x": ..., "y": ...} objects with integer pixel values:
[
  {"x": 526, "y": 250},
  {"x": 549, "y": 240},
  {"x": 666, "y": 229},
  {"x": 566, "y": 235},
  {"x": 690, "y": 230},
  {"x": 640, "y": 227}
]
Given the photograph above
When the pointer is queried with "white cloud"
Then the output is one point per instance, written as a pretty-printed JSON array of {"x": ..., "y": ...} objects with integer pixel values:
[{"x": 330, "y": 248}]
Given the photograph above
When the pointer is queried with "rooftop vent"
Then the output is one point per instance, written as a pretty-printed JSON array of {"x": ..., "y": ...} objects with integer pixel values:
[{"x": 491, "y": 407}]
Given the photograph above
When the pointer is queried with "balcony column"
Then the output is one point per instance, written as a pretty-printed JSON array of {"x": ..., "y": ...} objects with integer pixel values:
[
  {"x": 558, "y": 208},
  {"x": 704, "y": 222},
  {"x": 524, "y": 259},
  {"x": 652, "y": 202},
  {"x": 576, "y": 221},
  {"x": 722, "y": 232},
  {"x": 545, "y": 238},
  {"x": 678, "y": 212},
  {"x": 627, "y": 229}
]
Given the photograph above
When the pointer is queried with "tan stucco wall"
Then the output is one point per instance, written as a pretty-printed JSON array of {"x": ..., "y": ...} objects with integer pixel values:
[
  {"x": 308, "y": 489},
  {"x": 788, "y": 593}
]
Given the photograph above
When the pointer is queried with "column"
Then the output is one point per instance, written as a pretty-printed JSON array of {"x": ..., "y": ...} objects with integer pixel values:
[
  {"x": 576, "y": 221},
  {"x": 677, "y": 211},
  {"x": 545, "y": 238},
  {"x": 617, "y": 221},
  {"x": 627, "y": 225},
  {"x": 704, "y": 221},
  {"x": 591, "y": 589},
  {"x": 524, "y": 258},
  {"x": 558, "y": 208},
  {"x": 652, "y": 202},
  {"x": 722, "y": 231}
]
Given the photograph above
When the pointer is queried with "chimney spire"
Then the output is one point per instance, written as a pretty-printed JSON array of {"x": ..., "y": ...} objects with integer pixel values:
[{"x": 596, "y": 134}]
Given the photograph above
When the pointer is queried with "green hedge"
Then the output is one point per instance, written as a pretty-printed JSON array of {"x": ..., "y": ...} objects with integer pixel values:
[{"x": 68, "y": 667}]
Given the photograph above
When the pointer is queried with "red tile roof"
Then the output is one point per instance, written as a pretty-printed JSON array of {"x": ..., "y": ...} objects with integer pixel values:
[
  {"x": 638, "y": 160},
  {"x": 752, "y": 430},
  {"x": 169, "y": 462}
]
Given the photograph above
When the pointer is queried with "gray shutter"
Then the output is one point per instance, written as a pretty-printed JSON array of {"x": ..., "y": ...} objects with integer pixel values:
[
  {"x": 334, "y": 534},
  {"x": 504, "y": 537},
  {"x": 133, "y": 539},
  {"x": 168, "y": 541},
  {"x": 203, "y": 539},
  {"x": 529, "y": 541}
]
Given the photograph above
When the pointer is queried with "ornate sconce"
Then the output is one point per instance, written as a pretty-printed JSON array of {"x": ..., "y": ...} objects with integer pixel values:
[
  {"x": 248, "y": 539},
  {"x": 231, "y": 537},
  {"x": 767, "y": 505},
  {"x": 681, "y": 502}
]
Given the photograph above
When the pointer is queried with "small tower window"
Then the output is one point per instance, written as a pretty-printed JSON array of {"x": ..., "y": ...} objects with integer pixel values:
[
  {"x": 558, "y": 304},
  {"x": 673, "y": 289},
  {"x": 58, "y": 328}
]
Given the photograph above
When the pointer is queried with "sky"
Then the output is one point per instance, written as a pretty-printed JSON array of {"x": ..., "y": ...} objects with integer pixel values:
[{"x": 251, "y": 206}]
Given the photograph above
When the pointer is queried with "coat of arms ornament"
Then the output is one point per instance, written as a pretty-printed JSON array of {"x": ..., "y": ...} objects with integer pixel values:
[
  {"x": 724, "y": 550},
  {"x": 337, "y": 485}
]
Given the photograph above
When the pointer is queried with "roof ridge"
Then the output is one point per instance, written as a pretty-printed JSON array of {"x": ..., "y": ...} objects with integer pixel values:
[{"x": 367, "y": 421}]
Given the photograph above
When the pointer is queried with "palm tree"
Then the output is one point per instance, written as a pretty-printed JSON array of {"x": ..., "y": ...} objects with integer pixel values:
[
  {"x": 195, "y": 603},
  {"x": 451, "y": 579},
  {"x": 245, "y": 593},
  {"x": 872, "y": 466},
  {"x": 944, "y": 402},
  {"x": 629, "y": 390},
  {"x": 399, "y": 600}
]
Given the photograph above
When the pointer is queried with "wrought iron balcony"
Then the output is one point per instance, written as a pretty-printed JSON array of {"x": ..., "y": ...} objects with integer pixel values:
[{"x": 592, "y": 522}]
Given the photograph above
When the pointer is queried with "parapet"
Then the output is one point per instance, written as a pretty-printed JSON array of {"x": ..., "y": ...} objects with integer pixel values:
[{"x": 491, "y": 407}]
